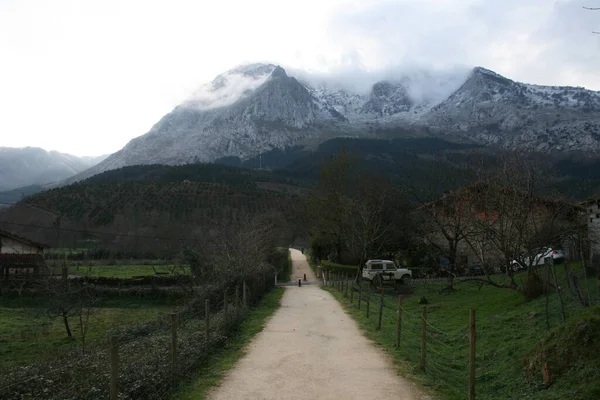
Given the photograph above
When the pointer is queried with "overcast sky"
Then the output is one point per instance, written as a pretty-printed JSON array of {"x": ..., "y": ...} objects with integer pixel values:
[{"x": 86, "y": 76}]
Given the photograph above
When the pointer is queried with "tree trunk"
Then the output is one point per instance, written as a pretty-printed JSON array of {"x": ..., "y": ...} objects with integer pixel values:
[
  {"x": 558, "y": 290},
  {"x": 66, "y": 322}
]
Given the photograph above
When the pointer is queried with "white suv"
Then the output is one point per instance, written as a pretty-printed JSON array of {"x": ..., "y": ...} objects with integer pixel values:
[{"x": 385, "y": 270}]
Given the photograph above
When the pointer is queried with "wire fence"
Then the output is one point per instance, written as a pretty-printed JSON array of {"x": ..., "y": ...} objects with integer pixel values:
[
  {"x": 146, "y": 361},
  {"x": 474, "y": 355},
  {"x": 442, "y": 355}
]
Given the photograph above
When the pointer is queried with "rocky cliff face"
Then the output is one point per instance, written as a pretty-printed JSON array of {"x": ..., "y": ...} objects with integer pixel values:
[{"x": 256, "y": 108}]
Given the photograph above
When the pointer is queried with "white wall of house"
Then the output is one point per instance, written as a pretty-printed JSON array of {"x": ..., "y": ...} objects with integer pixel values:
[
  {"x": 593, "y": 222},
  {"x": 11, "y": 246}
]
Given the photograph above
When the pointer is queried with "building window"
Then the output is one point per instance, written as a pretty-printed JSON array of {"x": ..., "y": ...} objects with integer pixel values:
[
  {"x": 591, "y": 219},
  {"x": 597, "y": 215}
]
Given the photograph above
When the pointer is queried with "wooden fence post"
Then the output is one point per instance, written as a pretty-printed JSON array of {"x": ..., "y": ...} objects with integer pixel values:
[
  {"x": 174, "y": 341},
  {"x": 423, "y": 335},
  {"x": 244, "y": 294},
  {"x": 352, "y": 293},
  {"x": 346, "y": 280},
  {"x": 380, "y": 310},
  {"x": 114, "y": 368},
  {"x": 207, "y": 319},
  {"x": 472, "y": 339},
  {"x": 368, "y": 291},
  {"x": 359, "y": 294},
  {"x": 237, "y": 298},
  {"x": 399, "y": 322}
]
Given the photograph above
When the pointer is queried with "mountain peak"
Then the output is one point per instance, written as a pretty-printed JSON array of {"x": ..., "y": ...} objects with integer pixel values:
[
  {"x": 231, "y": 86},
  {"x": 253, "y": 70},
  {"x": 489, "y": 74},
  {"x": 278, "y": 72},
  {"x": 255, "y": 108}
]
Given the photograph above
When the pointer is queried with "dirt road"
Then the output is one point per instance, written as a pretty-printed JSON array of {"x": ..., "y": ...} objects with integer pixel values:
[{"x": 310, "y": 349}]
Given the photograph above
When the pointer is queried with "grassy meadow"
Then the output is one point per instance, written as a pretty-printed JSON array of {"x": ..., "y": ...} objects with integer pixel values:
[{"x": 28, "y": 334}]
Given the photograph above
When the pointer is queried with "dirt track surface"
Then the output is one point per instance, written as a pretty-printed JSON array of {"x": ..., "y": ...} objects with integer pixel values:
[{"x": 310, "y": 349}]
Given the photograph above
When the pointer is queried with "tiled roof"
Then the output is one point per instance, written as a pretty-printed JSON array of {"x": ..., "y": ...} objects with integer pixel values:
[{"x": 22, "y": 239}]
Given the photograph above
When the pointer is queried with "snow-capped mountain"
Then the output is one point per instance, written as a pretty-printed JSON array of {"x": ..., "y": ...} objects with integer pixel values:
[
  {"x": 35, "y": 166},
  {"x": 255, "y": 108},
  {"x": 491, "y": 109}
]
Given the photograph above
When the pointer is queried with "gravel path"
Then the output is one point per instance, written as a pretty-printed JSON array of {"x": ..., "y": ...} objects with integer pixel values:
[{"x": 310, "y": 349}]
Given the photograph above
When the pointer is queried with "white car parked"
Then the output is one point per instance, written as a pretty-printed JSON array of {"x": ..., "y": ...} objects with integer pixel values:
[
  {"x": 538, "y": 259},
  {"x": 385, "y": 270}
]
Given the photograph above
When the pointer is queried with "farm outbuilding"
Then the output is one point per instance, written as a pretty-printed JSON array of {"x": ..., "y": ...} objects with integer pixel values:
[{"x": 20, "y": 257}]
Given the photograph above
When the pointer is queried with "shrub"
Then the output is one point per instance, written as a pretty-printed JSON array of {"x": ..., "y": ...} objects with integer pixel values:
[{"x": 534, "y": 286}]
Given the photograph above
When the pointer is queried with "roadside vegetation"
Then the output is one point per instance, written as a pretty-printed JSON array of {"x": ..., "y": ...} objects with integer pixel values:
[
  {"x": 61, "y": 330},
  {"x": 524, "y": 349},
  {"x": 281, "y": 260},
  {"x": 219, "y": 363}
]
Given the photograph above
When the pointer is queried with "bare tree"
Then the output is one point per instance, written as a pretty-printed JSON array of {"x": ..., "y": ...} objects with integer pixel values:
[
  {"x": 235, "y": 249},
  {"x": 329, "y": 206},
  {"x": 444, "y": 211},
  {"x": 66, "y": 300},
  {"x": 378, "y": 213},
  {"x": 447, "y": 225},
  {"x": 514, "y": 221}
]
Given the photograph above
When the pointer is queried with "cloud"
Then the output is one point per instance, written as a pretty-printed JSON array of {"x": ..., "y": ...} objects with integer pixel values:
[
  {"x": 424, "y": 84},
  {"x": 228, "y": 88},
  {"x": 538, "y": 41},
  {"x": 86, "y": 77}
]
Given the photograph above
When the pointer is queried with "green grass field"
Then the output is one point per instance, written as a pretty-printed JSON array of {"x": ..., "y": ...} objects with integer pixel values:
[
  {"x": 124, "y": 271},
  {"x": 28, "y": 334},
  {"x": 223, "y": 360},
  {"x": 509, "y": 328}
]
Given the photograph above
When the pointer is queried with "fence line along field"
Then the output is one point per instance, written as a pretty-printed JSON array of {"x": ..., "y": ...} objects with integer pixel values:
[
  {"x": 28, "y": 334},
  {"x": 519, "y": 343},
  {"x": 165, "y": 320}
]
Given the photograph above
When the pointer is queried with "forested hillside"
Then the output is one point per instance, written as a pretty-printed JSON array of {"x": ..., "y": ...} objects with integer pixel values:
[{"x": 133, "y": 214}]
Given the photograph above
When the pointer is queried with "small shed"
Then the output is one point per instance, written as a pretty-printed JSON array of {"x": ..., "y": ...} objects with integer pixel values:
[{"x": 20, "y": 257}]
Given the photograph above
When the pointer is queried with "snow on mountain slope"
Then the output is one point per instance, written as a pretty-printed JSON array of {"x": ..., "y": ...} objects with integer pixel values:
[
  {"x": 492, "y": 109},
  {"x": 255, "y": 108}
]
